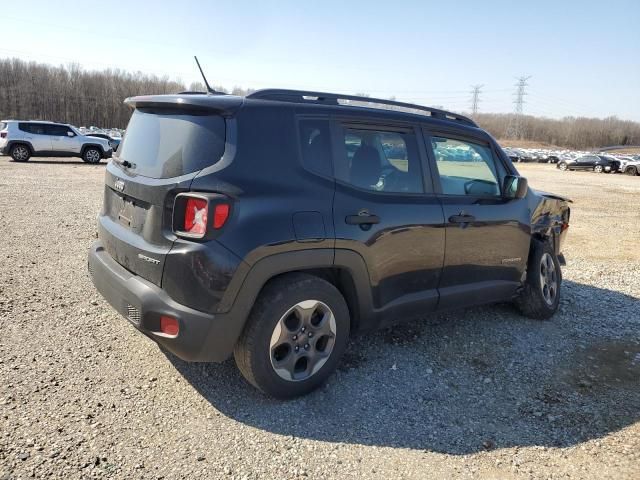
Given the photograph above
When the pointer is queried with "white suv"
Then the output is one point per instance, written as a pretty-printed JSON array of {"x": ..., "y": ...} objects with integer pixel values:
[{"x": 24, "y": 139}]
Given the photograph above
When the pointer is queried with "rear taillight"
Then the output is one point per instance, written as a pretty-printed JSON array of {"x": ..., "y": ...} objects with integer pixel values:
[
  {"x": 200, "y": 215},
  {"x": 3, "y": 134},
  {"x": 195, "y": 216},
  {"x": 220, "y": 215}
]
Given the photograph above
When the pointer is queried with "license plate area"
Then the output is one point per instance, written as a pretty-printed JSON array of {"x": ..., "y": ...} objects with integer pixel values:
[{"x": 125, "y": 215}]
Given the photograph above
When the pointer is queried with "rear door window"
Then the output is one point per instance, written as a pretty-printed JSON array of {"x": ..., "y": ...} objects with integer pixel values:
[
  {"x": 379, "y": 160},
  {"x": 33, "y": 128},
  {"x": 170, "y": 143}
]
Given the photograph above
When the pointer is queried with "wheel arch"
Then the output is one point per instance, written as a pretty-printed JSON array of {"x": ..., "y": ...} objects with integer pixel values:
[
  {"x": 89, "y": 145},
  {"x": 344, "y": 269},
  {"x": 27, "y": 143}
]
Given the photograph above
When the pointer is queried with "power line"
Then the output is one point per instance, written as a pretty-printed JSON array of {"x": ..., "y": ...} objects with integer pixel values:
[{"x": 475, "y": 98}]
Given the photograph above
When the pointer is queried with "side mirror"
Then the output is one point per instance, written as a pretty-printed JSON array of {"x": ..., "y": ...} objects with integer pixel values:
[
  {"x": 70, "y": 134},
  {"x": 515, "y": 187}
]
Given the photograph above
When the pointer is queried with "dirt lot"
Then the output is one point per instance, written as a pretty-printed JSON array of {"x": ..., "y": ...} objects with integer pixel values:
[{"x": 482, "y": 393}]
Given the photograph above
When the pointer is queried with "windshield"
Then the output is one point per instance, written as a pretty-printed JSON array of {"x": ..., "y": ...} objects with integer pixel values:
[{"x": 168, "y": 143}]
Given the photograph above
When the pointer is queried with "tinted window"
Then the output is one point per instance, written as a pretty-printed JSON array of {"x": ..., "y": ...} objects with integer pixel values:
[
  {"x": 315, "y": 145},
  {"x": 381, "y": 161},
  {"x": 466, "y": 168},
  {"x": 164, "y": 144},
  {"x": 34, "y": 128},
  {"x": 57, "y": 130}
]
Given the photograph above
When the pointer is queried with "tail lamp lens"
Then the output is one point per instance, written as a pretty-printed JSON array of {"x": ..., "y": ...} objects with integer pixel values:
[
  {"x": 199, "y": 215},
  {"x": 195, "y": 216},
  {"x": 3, "y": 134},
  {"x": 220, "y": 215}
]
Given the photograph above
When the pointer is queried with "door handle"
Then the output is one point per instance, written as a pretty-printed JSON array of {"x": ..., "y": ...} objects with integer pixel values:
[
  {"x": 362, "y": 219},
  {"x": 462, "y": 218}
]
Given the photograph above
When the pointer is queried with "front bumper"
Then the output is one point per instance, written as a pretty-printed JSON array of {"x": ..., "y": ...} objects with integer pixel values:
[{"x": 203, "y": 337}]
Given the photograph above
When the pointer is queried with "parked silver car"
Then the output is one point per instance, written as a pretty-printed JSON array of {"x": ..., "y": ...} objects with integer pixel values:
[
  {"x": 24, "y": 139},
  {"x": 629, "y": 165}
]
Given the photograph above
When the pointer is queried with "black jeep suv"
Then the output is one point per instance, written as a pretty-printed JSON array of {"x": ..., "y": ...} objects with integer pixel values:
[{"x": 276, "y": 225}]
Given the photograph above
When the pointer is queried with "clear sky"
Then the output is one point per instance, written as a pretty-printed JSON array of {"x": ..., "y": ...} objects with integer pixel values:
[{"x": 583, "y": 56}]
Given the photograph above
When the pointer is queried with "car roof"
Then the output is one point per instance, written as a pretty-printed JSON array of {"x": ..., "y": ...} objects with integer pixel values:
[{"x": 48, "y": 122}]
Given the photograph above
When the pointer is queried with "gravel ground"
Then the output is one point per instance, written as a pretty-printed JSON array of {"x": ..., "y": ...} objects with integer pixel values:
[{"x": 482, "y": 393}]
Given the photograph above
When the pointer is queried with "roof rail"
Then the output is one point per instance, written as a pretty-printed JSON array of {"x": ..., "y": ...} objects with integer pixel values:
[{"x": 323, "y": 98}]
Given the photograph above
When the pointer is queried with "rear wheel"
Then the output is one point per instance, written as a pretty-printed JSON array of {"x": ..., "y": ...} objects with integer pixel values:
[
  {"x": 631, "y": 171},
  {"x": 20, "y": 153},
  {"x": 297, "y": 331},
  {"x": 92, "y": 155},
  {"x": 598, "y": 169},
  {"x": 540, "y": 295},
  {"x": 562, "y": 166}
]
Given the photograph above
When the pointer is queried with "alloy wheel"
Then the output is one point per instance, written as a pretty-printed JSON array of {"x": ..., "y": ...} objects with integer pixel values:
[
  {"x": 20, "y": 153},
  {"x": 548, "y": 279},
  {"x": 302, "y": 340},
  {"x": 92, "y": 156}
]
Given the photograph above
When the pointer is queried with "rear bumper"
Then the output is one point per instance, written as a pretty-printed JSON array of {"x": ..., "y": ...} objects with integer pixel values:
[{"x": 203, "y": 337}]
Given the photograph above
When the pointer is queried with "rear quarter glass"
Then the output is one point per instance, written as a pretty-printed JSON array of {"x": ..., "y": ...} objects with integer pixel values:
[{"x": 167, "y": 144}]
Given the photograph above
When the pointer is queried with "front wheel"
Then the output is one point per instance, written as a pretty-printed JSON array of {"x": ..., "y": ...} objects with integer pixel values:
[
  {"x": 631, "y": 171},
  {"x": 562, "y": 166},
  {"x": 540, "y": 295},
  {"x": 598, "y": 169},
  {"x": 295, "y": 335},
  {"x": 92, "y": 155}
]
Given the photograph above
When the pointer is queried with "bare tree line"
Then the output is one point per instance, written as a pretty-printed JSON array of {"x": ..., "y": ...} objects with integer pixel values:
[
  {"x": 68, "y": 94},
  {"x": 570, "y": 132},
  {"x": 30, "y": 90}
]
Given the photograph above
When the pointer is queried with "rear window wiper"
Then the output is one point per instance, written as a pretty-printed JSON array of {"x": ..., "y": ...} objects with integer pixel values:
[{"x": 124, "y": 163}]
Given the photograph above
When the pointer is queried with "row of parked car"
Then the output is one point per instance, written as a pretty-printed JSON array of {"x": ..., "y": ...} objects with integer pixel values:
[{"x": 577, "y": 160}]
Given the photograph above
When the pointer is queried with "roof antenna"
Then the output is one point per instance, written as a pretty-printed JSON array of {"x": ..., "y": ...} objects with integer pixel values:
[{"x": 209, "y": 89}]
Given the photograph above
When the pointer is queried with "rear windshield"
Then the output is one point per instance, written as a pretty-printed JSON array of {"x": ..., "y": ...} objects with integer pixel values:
[{"x": 165, "y": 144}]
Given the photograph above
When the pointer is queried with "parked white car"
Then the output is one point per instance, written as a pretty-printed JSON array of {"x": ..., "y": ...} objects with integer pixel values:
[{"x": 25, "y": 139}]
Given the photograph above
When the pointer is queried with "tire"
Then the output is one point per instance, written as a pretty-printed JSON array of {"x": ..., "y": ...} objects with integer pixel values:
[
  {"x": 598, "y": 169},
  {"x": 562, "y": 166},
  {"x": 537, "y": 299},
  {"x": 20, "y": 153},
  {"x": 283, "y": 319},
  {"x": 92, "y": 155},
  {"x": 631, "y": 171}
]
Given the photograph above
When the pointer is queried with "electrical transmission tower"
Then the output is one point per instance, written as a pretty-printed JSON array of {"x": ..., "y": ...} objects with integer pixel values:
[
  {"x": 475, "y": 98},
  {"x": 515, "y": 124}
]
